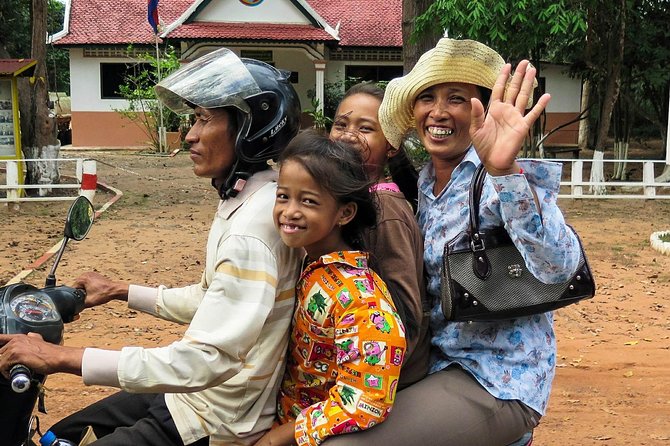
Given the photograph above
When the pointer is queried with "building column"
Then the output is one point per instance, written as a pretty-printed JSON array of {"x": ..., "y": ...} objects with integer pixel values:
[{"x": 320, "y": 67}]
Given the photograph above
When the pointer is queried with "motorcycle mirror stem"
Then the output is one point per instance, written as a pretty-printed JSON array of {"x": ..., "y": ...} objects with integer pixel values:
[
  {"x": 51, "y": 278},
  {"x": 77, "y": 224}
]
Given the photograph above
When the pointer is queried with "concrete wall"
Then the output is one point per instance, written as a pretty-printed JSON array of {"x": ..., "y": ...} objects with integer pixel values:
[
  {"x": 105, "y": 129},
  {"x": 94, "y": 121},
  {"x": 90, "y": 112}
]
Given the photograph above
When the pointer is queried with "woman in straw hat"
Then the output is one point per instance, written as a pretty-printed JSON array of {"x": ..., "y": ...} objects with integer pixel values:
[{"x": 489, "y": 382}]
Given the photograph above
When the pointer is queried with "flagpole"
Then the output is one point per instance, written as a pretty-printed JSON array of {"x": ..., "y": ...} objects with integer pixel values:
[{"x": 161, "y": 128}]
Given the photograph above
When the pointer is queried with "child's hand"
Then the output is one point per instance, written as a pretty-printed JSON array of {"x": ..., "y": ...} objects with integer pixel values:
[{"x": 278, "y": 436}]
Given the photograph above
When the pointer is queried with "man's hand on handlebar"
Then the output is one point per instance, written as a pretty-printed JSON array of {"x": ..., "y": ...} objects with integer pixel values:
[
  {"x": 38, "y": 355},
  {"x": 100, "y": 289}
]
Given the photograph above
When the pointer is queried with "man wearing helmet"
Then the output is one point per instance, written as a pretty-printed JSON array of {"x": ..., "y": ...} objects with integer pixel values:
[{"x": 216, "y": 385}]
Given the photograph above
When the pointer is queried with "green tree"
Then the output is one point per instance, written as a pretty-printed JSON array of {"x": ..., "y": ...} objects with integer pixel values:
[
  {"x": 15, "y": 39},
  {"x": 23, "y": 30},
  {"x": 58, "y": 59},
  {"x": 415, "y": 42},
  {"x": 625, "y": 59},
  {"x": 138, "y": 90},
  {"x": 646, "y": 78},
  {"x": 14, "y": 29},
  {"x": 518, "y": 29}
]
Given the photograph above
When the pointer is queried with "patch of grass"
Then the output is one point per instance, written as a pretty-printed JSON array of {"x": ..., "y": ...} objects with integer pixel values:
[{"x": 665, "y": 237}]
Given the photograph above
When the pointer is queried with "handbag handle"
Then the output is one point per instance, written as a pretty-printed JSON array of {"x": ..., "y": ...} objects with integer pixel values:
[
  {"x": 474, "y": 197},
  {"x": 480, "y": 261}
]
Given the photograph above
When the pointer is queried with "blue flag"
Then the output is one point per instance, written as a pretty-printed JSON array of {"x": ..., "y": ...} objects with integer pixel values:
[{"x": 152, "y": 15}]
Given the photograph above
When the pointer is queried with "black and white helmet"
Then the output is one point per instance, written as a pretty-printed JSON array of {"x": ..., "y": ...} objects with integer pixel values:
[{"x": 267, "y": 106}]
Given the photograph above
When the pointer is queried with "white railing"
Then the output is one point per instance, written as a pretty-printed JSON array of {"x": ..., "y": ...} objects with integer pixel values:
[
  {"x": 580, "y": 186},
  {"x": 83, "y": 179}
]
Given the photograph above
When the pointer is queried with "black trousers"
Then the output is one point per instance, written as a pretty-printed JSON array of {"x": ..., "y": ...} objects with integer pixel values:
[{"x": 125, "y": 419}]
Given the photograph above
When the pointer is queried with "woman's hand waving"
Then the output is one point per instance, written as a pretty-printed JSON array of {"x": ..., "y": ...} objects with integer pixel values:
[{"x": 499, "y": 133}]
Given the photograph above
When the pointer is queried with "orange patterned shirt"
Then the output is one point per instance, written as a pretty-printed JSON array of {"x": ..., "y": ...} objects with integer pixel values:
[{"x": 345, "y": 351}]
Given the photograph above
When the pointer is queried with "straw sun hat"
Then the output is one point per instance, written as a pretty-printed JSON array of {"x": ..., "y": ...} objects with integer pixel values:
[{"x": 451, "y": 60}]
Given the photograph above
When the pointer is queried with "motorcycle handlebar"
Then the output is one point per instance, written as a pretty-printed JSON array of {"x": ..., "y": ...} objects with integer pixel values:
[
  {"x": 69, "y": 301},
  {"x": 20, "y": 378}
]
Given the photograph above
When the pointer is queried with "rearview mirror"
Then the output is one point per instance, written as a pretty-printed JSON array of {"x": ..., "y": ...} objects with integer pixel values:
[{"x": 79, "y": 219}]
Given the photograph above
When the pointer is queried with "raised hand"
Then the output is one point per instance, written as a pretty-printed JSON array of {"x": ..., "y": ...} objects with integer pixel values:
[{"x": 499, "y": 133}]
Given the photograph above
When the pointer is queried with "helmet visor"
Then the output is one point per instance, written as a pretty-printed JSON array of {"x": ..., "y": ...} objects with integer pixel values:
[{"x": 217, "y": 79}]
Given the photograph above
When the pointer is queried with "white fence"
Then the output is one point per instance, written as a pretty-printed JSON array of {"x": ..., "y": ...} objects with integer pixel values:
[
  {"x": 580, "y": 186},
  {"x": 576, "y": 183},
  {"x": 83, "y": 179}
]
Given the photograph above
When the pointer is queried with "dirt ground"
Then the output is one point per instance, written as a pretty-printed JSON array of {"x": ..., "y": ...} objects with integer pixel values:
[{"x": 613, "y": 378}]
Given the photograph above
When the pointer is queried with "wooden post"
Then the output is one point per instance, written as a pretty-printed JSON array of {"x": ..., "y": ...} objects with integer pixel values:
[{"x": 13, "y": 180}]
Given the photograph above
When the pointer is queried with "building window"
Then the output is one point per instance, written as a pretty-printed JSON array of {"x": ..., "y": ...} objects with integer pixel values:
[
  {"x": 262, "y": 55},
  {"x": 373, "y": 73},
  {"x": 113, "y": 75}
]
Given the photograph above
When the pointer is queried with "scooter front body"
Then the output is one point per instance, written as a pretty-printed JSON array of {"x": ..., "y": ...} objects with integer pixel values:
[{"x": 24, "y": 309}]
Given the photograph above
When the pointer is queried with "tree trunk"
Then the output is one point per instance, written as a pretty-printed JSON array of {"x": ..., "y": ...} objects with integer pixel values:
[
  {"x": 585, "y": 124},
  {"x": 38, "y": 122},
  {"x": 613, "y": 78},
  {"x": 597, "y": 173},
  {"x": 414, "y": 46}
]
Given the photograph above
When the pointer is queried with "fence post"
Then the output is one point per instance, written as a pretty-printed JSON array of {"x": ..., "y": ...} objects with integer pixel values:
[
  {"x": 648, "y": 179},
  {"x": 89, "y": 179},
  {"x": 13, "y": 180},
  {"x": 576, "y": 188}
]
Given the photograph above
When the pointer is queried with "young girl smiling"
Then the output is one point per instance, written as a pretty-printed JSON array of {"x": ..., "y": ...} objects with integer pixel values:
[{"x": 347, "y": 343}]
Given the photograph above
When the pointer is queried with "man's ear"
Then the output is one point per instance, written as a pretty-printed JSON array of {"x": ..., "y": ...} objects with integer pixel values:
[{"x": 347, "y": 213}]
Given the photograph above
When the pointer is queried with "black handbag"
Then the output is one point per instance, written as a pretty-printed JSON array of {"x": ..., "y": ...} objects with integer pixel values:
[{"x": 485, "y": 278}]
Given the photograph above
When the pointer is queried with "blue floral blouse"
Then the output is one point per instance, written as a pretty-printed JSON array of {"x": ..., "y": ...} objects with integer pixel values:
[{"x": 512, "y": 359}]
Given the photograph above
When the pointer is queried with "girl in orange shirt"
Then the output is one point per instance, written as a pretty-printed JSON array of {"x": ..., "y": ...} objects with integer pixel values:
[{"x": 347, "y": 342}]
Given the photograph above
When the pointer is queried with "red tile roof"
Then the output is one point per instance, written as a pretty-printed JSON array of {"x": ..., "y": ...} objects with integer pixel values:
[
  {"x": 14, "y": 67},
  {"x": 104, "y": 22},
  {"x": 362, "y": 23},
  {"x": 249, "y": 31}
]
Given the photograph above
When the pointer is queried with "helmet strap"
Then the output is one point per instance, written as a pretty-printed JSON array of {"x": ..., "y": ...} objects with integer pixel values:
[{"x": 236, "y": 179}]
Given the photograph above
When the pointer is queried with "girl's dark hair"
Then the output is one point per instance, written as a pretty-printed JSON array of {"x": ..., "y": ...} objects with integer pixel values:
[
  {"x": 369, "y": 88},
  {"x": 402, "y": 170},
  {"x": 338, "y": 167}
]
